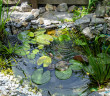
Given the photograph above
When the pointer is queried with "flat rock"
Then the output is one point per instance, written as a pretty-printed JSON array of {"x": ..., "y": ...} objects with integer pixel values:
[
  {"x": 82, "y": 20},
  {"x": 97, "y": 20},
  {"x": 29, "y": 18}
]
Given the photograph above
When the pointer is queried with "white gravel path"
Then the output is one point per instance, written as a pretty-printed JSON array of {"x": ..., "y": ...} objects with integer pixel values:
[{"x": 10, "y": 86}]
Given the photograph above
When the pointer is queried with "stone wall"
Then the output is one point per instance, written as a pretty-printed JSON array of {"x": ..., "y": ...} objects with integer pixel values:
[{"x": 77, "y": 2}]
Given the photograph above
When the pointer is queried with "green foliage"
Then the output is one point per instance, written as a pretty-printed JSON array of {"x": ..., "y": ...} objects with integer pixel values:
[
  {"x": 76, "y": 65},
  {"x": 64, "y": 38},
  {"x": 31, "y": 34},
  {"x": 8, "y": 50},
  {"x": 99, "y": 60},
  {"x": 79, "y": 13},
  {"x": 92, "y": 4},
  {"x": 63, "y": 74},
  {"x": 39, "y": 77},
  {"x": 35, "y": 51},
  {"x": 44, "y": 39},
  {"x": 45, "y": 60},
  {"x": 31, "y": 56},
  {"x": 4, "y": 19}
]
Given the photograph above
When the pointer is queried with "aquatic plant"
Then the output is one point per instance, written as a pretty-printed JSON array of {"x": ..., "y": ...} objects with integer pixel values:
[
  {"x": 39, "y": 77},
  {"x": 98, "y": 61},
  {"x": 45, "y": 60},
  {"x": 63, "y": 74}
]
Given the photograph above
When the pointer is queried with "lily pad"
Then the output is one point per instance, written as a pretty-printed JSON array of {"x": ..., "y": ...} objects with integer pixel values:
[
  {"x": 45, "y": 60},
  {"x": 39, "y": 77},
  {"x": 31, "y": 34},
  {"x": 35, "y": 51},
  {"x": 23, "y": 36},
  {"x": 31, "y": 56},
  {"x": 63, "y": 74},
  {"x": 40, "y": 46},
  {"x": 76, "y": 65},
  {"x": 40, "y": 32},
  {"x": 44, "y": 39},
  {"x": 33, "y": 41}
]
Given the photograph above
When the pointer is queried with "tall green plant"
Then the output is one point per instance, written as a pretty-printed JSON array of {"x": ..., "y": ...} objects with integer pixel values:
[
  {"x": 99, "y": 60},
  {"x": 92, "y": 3},
  {"x": 4, "y": 19}
]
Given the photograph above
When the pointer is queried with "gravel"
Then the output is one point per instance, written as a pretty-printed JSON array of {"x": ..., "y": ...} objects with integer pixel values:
[{"x": 10, "y": 86}]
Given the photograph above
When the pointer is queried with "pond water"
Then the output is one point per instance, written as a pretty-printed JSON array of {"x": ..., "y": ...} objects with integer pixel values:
[{"x": 76, "y": 85}]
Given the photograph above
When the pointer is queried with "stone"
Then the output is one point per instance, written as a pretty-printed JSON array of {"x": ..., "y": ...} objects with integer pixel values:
[
  {"x": 41, "y": 20},
  {"x": 14, "y": 30},
  {"x": 24, "y": 23},
  {"x": 34, "y": 22},
  {"x": 72, "y": 8},
  {"x": 49, "y": 7},
  {"x": 82, "y": 20},
  {"x": 34, "y": 26},
  {"x": 8, "y": 29},
  {"x": 18, "y": 25},
  {"x": 35, "y": 12},
  {"x": 16, "y": 8},
  {"x": 42, "y": 10},
  {"x": 29, "y": 18},
  {"x": 25, "y": 7},
  {"x": 61, "y": 65},
  {"x": 47, "y": 22},
  {"x": 87, "y": 32},
  {"x": 62, "y": 7},
  {"x": 100, "y": 11},
  {"x": 97, "y": 20}
]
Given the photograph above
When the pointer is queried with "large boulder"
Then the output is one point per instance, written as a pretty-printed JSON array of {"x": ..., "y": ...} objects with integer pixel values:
[{"x": 62, "y": 7}]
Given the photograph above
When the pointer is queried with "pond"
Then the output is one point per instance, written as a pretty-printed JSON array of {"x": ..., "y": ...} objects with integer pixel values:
[{"x": 77, "y": 84}]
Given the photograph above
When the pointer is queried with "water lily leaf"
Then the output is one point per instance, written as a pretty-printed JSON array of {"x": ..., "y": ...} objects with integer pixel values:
[
  {"x": 27, "y": 52},
  {"x": 31, "y": 34},
  {"x": 40, "y": 32},
  {"x": 39, "y": 77},
  {"x": 23, "y": 36},
  {"x": 33, "y": 41},
  {"x": 40, "y": 46},
  {"x": 63, "y": 74},
  {"x": 45, "y": 60},
  {"x": 20, "y": 52},
  {"x": 76, "y": 65},
  {"x": 35, "y": 51},
  {"x": 31, "y": 56},
  {"x": 44, "y": 39}
]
